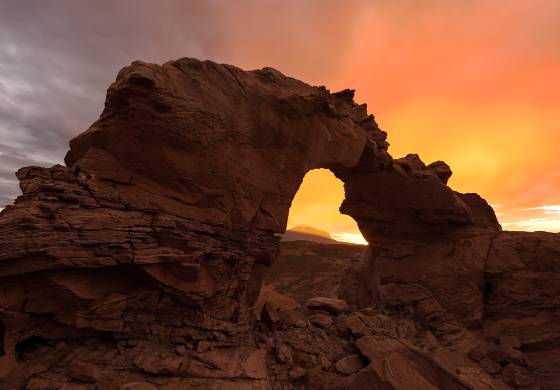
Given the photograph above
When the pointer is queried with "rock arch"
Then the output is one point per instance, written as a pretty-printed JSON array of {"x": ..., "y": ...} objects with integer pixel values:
[
  {"x": 177, "y": 189},
  {"x": 229, "y": 148},
  {"x": 162, "y": 223}
]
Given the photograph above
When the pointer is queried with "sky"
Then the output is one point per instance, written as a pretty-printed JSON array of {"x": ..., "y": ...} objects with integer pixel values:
[{"x": 474, "y": 83}]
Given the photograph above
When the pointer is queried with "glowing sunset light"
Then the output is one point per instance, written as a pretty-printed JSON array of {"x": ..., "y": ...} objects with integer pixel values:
[
  {"x": 352, "y": 238},
  {"x": 482, "y": 99},
  {"x": 316, "y": 204}
]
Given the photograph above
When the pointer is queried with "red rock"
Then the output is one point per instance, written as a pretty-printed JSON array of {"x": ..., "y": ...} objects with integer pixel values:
[
  {"x": 509, "y": 341},
  {"x": 138, "y": 386},
  {"x": 164, "y": 365},
  {"x": 335, "y": 306},
  {"x": 284, "y": 354},
  {"x": 375, "y": 347},
  {"x": 297, "y": 373},
  {"x": 278, "y": 310},
  {"x": 396, "y": 371},
  {"x": 441, "y": 170},
  {"x": 161, "y": 227},
  {"x": 516, "y": 376},
  {"x": 37, "y": 384},
  {"x": 479, "y": 352},
  {"x": 321, "y": 320},
  {"x": 326, "y": 364},
  {"x": 83, "y": 372},
  {"x": 490, "y": 366},
  {"x": 349, "y": 364}
]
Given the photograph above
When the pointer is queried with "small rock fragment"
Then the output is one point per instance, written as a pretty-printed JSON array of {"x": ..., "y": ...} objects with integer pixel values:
[
  {"x": 349, "y": 364},
  {"x": 321, "y": 321},
  {"x": 203, "y": 346},
  {"x": 297, "y": 372},
  {"x": 332, "y": 305},
  {"x": 478, "y": 352},
  {"x": 300, "y": 324},
  {"x": 508, "y": 341},
  {"x": 284, "y": 354},
  {"x": 516, "y": 376},
  {"x": 83, "y": 372},
  {"x": 181, "y": 350},
  {"x": 325, "y": 362},
  {"x": 37, "y": 384},
  {"x": 489, "y": 366}
]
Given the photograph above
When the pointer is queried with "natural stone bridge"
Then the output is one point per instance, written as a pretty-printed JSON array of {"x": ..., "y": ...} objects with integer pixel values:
[{"x": 161, "y": 226}]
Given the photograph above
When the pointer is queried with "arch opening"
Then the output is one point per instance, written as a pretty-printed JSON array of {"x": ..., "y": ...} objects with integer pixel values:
[{"x": 314, "y": 212}]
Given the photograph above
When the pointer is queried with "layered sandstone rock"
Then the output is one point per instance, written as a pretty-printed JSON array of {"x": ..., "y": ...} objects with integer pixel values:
[
  {"x": 140, "y": 262},
  {"x": 515, "y": 341}
]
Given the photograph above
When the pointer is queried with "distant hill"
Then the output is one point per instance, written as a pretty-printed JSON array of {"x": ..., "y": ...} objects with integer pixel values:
[{"x": 308, "y": 233}]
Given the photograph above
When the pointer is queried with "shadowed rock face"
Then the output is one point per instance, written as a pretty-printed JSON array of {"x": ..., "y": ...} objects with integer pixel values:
[
  {"x": 215, "y": 143},
  {"x": 158, "y": 232}
]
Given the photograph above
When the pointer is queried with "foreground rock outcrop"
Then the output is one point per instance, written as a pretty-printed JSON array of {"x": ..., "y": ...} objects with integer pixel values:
[
  {"x": 139, "y": 264},
  {"x": 514, "y": 343}
]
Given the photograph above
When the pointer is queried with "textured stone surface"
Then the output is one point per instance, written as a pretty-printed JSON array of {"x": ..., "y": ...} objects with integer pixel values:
[
  {"x": 140, "y": 263},
  {"x": 331, "y": 305},
  {"x": 349, "y": 364},
  {"x": 215, "y": 143},
  {"x": 518, "y": 327}
]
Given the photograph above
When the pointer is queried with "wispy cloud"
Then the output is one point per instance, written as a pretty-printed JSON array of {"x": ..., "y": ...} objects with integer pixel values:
[
  {"x": 547, "y": 209},
  {"x": 541, "y": 218}
]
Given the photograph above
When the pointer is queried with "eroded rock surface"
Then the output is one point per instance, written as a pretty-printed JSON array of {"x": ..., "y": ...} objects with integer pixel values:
[
  {"x": 139, "y": 264},
  {"x": 515, "y": 341}
]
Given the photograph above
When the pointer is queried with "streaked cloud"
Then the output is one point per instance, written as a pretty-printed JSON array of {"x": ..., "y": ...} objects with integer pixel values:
[
  {"x": 543, "y": 218},
  {"x": 550, "y": 209}
]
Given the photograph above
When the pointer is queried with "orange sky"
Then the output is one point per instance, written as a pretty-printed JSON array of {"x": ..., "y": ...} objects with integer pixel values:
[
  {"x": 471, "y": 82},
  {"x": 474, "y": 83}
]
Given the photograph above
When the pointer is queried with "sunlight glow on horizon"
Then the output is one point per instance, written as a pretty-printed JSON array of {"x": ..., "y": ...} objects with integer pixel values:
[
  {"x": 317, "y": 203},
  {"x": 352, "y": 238},
  {"x": 540, "y": 218}
]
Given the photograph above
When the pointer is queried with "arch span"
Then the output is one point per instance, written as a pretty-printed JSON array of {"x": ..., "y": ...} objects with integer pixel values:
[{"x": 162, "y": 224}]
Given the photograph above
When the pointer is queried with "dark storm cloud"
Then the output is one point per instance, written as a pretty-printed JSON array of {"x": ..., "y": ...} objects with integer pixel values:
[{"x": 58, "y": 57}]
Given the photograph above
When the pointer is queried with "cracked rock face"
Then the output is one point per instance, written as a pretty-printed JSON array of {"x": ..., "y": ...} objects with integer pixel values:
[{"x": 140, "y": 262}]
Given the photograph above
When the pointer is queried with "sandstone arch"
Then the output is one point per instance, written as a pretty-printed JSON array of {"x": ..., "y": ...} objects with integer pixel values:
[
  {"x": 226, "y": 147},
  {"x": 182, "y": 182},
  {"x": 162, "y": 223}
]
